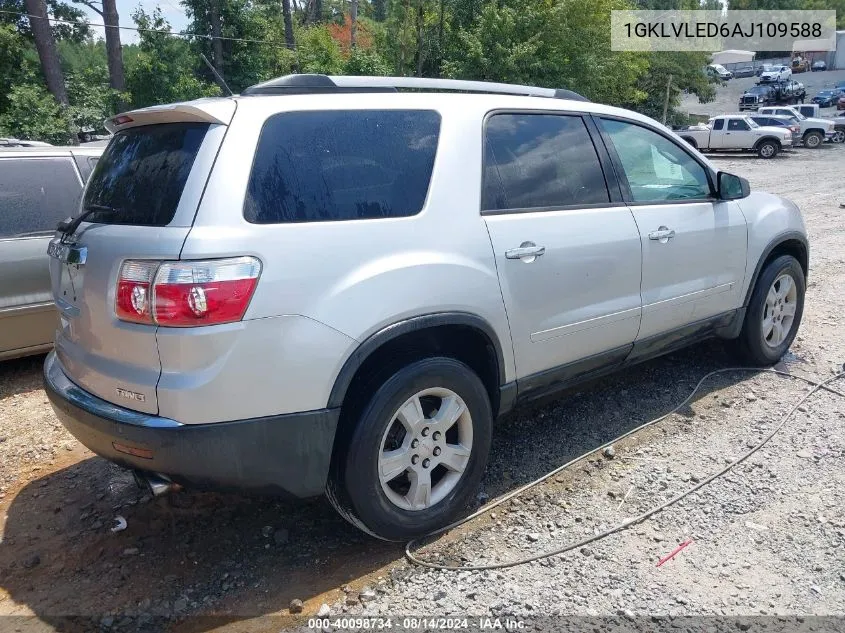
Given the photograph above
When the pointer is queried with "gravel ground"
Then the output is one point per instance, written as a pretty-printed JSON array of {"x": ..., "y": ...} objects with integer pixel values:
[{"x": 768, "y": 538}]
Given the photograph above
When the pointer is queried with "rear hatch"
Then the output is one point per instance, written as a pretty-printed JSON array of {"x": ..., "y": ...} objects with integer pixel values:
[{"x": 141, "y": 200}]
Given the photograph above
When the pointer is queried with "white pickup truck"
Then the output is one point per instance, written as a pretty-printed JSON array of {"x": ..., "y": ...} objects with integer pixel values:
[
  {"x": 814, "y": 132},
  {"x": 738, "y": 132}
]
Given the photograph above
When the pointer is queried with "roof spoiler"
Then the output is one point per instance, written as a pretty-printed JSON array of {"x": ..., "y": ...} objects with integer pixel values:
[{"x": 215, "y": 111}]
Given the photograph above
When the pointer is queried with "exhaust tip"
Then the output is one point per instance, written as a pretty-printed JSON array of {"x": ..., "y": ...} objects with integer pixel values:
[{"x": 157, "y": 485}]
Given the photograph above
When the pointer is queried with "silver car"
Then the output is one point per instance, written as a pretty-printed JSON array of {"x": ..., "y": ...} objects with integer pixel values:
[
  {"x": 39, "y": 186},
  {"x": 329, "y": 285}
]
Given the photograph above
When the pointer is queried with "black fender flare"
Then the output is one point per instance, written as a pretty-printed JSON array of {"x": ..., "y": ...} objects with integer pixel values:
[
  {"x": 770, "y": 247},
  {"x": 412, "y": 324}
]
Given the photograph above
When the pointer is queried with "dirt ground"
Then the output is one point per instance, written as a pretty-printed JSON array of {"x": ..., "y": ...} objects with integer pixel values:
[{"x": 767, "y": 539}]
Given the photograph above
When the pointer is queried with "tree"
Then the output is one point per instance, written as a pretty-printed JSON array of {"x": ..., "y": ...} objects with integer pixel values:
[
  {"x": 33, "y": 113},
  {"x": 379, "y": 10},
  {"x": 353, "y": 24},
  {"x": 107, "y": 9},
  {"x": 46, "y": 46},
  {"x": 290, "y": 42},
  {"x": 162, "y": 71},
  {"x": 216, "y": 41}
]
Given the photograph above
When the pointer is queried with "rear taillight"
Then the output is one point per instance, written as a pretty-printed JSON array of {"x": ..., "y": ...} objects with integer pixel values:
[
  {"x": 187, "y": 293},
  {"x": 134, "y": 295}
]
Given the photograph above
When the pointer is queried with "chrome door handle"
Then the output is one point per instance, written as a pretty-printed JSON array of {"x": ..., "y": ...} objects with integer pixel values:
[
  {"x": 662, "y": 235},
  {"x": 527, "y": 251}
]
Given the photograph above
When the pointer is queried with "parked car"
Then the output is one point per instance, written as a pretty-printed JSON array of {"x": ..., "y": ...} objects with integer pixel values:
[
  {"x": 776, "y": 120},
  {"x": 764, "y": 68},
  {"x": 288, "y": 308},
  {"x": 827, "y": 97},
  {"x": 744, "y": 71},
  {"x": 719, "y": 72},
  {"x": 17, "y": 142},
  {"x": 778, "y": 73},
  {"x": 813, "y": 131},
  {"x": 840, "y": 105},
  {"x": 39, "y": 186},
  {"x": 738, "y": 132},
  {"x": 819, "y": 65}
]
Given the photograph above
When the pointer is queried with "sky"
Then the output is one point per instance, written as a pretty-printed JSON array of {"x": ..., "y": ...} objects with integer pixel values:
[{"x": 170, "y": 9}]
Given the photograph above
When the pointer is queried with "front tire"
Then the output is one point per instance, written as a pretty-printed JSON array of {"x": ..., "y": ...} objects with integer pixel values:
[
  {"x": 768, "y": 149},
  {"x": 774, "y": 312},
  {"x": 813, "y": 140},
  {"x": 838, "y": 136},
  {"x": 417, "y": 453}
]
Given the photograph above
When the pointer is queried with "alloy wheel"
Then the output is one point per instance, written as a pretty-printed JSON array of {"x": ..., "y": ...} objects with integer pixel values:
[
  {"x": 779, "y": 311},
  {"x": 425, "y": 449}
]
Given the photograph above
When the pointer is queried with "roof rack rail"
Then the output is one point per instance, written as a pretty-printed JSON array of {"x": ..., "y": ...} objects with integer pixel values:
[{"x": 321, "y": 84}]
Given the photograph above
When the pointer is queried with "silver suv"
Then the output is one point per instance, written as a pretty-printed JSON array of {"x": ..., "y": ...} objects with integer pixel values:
[{"x": 327, "y": 284}]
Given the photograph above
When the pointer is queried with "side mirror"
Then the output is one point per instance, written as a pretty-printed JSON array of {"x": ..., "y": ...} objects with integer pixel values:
[{"x": 732, "y": 187}]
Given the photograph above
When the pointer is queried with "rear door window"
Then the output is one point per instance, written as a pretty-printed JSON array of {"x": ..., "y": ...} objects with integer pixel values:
[
  {"x": 534, "y": 161},
  {"x": 342, "y": 165},
  {"x": 140, "y": 177},
  {"x": 36, "y": 194}
]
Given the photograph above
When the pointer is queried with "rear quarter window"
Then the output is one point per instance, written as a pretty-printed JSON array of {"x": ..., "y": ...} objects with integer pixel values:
[
  {"x": 36, "y": 194},
  {"x": 342, "y": 165}
]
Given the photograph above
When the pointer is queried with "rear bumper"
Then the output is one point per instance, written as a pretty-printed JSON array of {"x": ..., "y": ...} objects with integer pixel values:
[{"x": 286, "y": 454}]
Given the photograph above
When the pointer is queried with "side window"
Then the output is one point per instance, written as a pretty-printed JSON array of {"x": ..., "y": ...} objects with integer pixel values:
[
  {"x": 656, "y": 168},
  {"x": 36, "y": 194},
  {"x": 540, "y": 160},
  {"x": 718, "y": 124},
  {"x": 737, "y": 124},
  {"x": 342, "y": 165}
]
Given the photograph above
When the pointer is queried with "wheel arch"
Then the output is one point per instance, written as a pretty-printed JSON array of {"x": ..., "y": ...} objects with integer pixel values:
[
  {"x": 790, "y": 243},
  {"x": 461, "y": 335},
  {"x": 691, "y": 141},
  {"x": 762, "y": 140}
]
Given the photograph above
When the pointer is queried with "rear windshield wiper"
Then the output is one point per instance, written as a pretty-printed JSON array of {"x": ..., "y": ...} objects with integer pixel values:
[{"x": 69, "y": 226}]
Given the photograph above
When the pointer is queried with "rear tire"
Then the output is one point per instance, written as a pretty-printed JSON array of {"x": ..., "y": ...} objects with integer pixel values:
[
  {"x": 813, "y": 140},
  {"x": 773, "y": 314},
  {"x": 405, "y": 438},
  {"x": 768, "y": 149}
]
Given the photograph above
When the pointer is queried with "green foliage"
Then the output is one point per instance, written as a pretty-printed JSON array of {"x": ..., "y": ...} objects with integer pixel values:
[
  {"x": 559, "y": 44},
  {"x": 366, "y": 62},
  {"x": 32, "y": 113},
  {"x": 162, "y": 69},
  {"x": 554, "y": 43},
  {"x": 317, "y": 52}
]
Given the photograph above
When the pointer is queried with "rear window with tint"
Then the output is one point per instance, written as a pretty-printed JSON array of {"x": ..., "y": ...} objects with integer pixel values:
[
  {"x": 36, "y": 194},
  {"x": 140, "y": 177},
  {"x": 342, "y": 165}
]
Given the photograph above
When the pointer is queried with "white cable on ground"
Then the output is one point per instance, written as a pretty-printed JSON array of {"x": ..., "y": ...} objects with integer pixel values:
[{"x": 409, "y": 553}]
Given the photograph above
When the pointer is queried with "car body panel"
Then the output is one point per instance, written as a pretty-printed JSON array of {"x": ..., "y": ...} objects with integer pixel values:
[{"x": 28, "y": 316}]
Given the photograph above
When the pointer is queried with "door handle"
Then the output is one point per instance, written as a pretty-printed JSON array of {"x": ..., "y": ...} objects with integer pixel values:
[
  {"x": 527, "y": 251},
  {"x": 662, "y": 235}
]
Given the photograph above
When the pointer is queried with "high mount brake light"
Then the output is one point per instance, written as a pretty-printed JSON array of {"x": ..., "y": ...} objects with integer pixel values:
[{"x": 186, "y": 293}]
